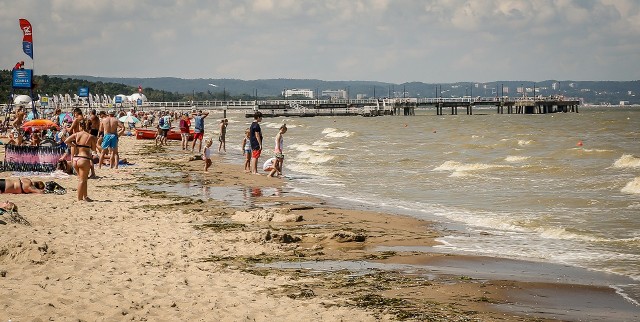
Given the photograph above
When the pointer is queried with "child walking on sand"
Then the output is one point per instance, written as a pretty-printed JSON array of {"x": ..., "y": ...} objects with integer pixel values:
[
  {"x": 246, "y": 151},
  {"x": 207, "y": 155}
]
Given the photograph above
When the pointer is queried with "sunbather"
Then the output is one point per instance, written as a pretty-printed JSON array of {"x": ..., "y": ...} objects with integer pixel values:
[{"x": 21, "y": 185}]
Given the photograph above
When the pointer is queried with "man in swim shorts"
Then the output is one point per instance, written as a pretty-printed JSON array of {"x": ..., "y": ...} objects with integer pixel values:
[
  {"x": 110, "y": 126},
  {"x": 255, "y": 137}
]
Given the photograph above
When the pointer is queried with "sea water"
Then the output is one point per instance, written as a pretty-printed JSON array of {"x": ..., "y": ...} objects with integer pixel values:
[{"x": 561, "y": 188}]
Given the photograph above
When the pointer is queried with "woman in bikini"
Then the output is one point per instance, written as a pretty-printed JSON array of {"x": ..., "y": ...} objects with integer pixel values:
[
  {"x": 84, "y": 143},
  {"x": 21, "y": 185}
]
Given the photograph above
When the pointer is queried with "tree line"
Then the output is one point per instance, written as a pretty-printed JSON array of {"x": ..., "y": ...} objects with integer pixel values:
[{"x": 44, "y": 85}]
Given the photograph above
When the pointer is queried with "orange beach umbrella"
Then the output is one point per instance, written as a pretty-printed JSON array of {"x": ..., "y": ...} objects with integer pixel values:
[{"x": 39, "y": 125}]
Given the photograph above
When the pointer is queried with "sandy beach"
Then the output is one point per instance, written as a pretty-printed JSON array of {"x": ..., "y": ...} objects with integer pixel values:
[{"x": 143, "y": 255}]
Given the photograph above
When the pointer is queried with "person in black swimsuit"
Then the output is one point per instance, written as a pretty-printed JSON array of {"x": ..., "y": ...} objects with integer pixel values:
[
  {"x": 21, "y": 185},
  {"x": 84, "y": 143}
]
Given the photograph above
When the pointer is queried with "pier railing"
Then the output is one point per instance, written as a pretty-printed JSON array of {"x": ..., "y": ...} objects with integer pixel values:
[{"x": 305, "y": 107}]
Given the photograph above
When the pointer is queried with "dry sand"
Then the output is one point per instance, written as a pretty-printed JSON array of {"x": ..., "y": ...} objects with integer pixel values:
[{"x": 135, "y": 255}]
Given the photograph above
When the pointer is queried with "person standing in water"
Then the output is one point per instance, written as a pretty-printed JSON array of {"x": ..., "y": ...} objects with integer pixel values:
[
  {"x": 198, "y": 129},
  {"x": 246, "y": 151},
  {"x": 223, "y": 134},
  {"x": 278, "y": 151},
  {"x": 255, "y": 136}
]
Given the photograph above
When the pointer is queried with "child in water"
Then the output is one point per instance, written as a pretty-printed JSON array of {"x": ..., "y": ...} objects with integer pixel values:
[
  {"x": 246, "y": 151},
  {"x": 278, "y": 151},
  {"x": 207, "y": 155}
]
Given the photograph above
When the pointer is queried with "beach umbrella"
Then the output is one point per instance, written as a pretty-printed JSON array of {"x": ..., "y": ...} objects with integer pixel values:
[
  {"x": 65, "y": 117},
  {"x": 129, "y": 119},
  {"x": 38, "y": 124}
]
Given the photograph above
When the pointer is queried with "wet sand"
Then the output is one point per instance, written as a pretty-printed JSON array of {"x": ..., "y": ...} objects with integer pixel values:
[{"x": 164, "y": 241}]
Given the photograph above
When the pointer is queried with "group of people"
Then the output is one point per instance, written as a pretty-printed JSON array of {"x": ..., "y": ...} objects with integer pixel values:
[
  {"x": 252, "y": 149},
  {"x": 83, "y": 138}
]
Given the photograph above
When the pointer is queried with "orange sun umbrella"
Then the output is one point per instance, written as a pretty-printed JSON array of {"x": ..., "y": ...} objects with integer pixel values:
[{"x": 38, "y": 125}]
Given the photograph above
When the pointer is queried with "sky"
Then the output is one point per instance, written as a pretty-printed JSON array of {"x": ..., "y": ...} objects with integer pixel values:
[{"x": 431, "y": 41}]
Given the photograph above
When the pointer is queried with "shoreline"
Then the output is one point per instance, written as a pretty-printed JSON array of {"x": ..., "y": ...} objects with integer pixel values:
[{"x": 137, "y": 254}]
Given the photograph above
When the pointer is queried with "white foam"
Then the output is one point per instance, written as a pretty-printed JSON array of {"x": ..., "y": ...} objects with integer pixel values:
[
  {"x": 627, "y": 161},
  {"x": 524, "y": 142},
  {"x": 462, "y": 167},
  {"x": 632, "y": 186},
  {"x": 622, "y": 292},
  {"x": 515, "y": 159},
  {"x": 597, "y": 150},
  {"x": 313, "y": 157},
  {"x": 306, "y": 169},
  {"x": 335, "y": 133}
]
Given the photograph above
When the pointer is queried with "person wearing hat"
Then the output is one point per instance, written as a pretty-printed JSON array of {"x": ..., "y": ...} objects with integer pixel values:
[{"x": 110, "y": 126}]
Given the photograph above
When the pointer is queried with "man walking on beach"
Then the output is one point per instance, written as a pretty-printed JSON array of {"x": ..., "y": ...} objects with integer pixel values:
[
  {"x": 164, "y": 124},
  {"x": 198, "y": 129},
  {"x": 110, "y": 126},
  {"x": 255, "y": 137}
]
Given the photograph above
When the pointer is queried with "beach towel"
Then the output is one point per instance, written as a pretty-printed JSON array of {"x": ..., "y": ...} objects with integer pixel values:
[{"x": 31, "y": 158}]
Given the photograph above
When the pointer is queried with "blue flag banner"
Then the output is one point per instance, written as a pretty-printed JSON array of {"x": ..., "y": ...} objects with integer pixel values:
[{"x": 27, "y": 47}]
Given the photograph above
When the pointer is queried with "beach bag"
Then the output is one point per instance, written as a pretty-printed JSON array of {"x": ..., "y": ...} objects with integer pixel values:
[
  {"x": 54, "y": 187},
  {"x": 161, "y": 121}
]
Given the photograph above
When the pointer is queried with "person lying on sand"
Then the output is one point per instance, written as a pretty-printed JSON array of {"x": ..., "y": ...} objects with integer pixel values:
[
  {"x": 8, "y": 206},
  {"x": 21, "y": 185}
]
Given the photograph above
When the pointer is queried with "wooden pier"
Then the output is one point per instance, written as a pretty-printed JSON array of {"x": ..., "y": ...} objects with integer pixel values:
[
  {"x": 357, "y": 107},
  {"x": 407, "y": 106}
]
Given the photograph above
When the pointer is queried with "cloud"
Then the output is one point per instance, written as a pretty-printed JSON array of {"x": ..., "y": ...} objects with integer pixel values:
[{"x": 431, "y": 40}]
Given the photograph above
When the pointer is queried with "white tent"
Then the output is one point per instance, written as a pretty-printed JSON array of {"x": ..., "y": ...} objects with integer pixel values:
[
  {"x": 135, "y": 96},
  {"x": 22, "y": 99},
  {"x": 124, "y": 98}
]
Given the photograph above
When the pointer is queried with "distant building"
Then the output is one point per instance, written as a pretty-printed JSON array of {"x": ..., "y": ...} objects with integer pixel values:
[
  {"x": 335, "y": 94},
  {"x": 623, "y": 103},
  {"x": 361, "y": 96},
  {"x": 298, "y": 92}
]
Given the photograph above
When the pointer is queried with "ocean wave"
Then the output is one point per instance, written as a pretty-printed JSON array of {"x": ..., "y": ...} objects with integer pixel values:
[
  {"x": 306, "y": 147},
  {"x": 596, "y": 150},
  {"x": 276, "y": 125},
  {"x": 632, "y": 187},
  {"x": 307, "y": 168},
  {"x": 627, "y": 161},
  {"x": 462, "y": 167},
  {"x": 313, "y": 157},
  {"x": 513, "y": 158},
  {"x": 524, "y": 142},
  {"x": 335, "y": 133}
]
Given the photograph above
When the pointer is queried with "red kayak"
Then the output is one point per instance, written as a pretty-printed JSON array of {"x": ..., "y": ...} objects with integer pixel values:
[{"x": 150, "y": 134}]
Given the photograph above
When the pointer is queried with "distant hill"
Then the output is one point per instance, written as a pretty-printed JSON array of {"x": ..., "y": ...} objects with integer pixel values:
[
  {"x": 178, "y": 89},
  {"x": 595, "y": 92}
]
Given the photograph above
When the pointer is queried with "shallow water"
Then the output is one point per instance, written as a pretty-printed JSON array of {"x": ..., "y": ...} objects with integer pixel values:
[
  {"x": 556, "y": 188},
  {"x": 523, "y": 179}
]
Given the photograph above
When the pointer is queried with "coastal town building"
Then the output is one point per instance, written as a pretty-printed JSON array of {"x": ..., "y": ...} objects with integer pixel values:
[
  {"x": 297, "y": 92},
  {"x": 335, "y": 94}
]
